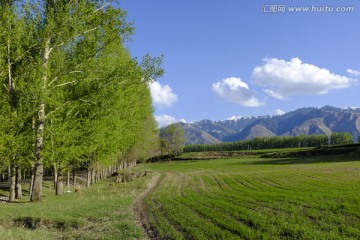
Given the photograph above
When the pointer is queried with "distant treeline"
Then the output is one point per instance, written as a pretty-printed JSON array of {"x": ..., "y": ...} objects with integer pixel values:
[{"x": 275, "y": 142}]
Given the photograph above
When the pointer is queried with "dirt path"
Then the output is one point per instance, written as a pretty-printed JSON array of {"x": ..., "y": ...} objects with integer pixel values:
[{"x": 139, "y": 208}]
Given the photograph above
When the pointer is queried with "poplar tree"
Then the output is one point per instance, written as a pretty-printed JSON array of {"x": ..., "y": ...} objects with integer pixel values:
[
  {"x": 72, "y": 94},
  {"x": 65, "y": 25},
  {"x": 15, "y": 111}
]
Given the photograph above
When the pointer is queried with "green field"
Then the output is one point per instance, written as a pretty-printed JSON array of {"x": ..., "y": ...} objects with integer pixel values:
[
  {"x": 254, "y": 198},
  {"x": 246, "y": 197}
]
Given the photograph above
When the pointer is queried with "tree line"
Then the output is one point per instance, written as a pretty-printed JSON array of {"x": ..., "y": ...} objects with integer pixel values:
[
  {"x": 71, "y": 95},
  {"x": 274, "y": 142}
]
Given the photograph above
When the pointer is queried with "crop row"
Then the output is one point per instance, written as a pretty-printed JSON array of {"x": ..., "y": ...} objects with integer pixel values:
[{"x": 311, "y": 202}]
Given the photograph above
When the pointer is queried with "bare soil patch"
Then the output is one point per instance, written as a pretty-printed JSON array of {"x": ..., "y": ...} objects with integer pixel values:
[{"x": 140, "y": 210}]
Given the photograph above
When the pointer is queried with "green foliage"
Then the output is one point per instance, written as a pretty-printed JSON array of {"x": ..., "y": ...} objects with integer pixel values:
[
  {"x": 263, "y": 143},
  {"x": 151, "y": 67},
  {"x": 341, "y": 138},
  {"x": 252, "y": 198},
  {"x": 72, "y": 91},
  {"x": 173, "y": 137},
  {"x": 15, "y": 110}
]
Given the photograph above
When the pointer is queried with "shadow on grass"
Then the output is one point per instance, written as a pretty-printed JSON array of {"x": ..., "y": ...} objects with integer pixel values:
[
  {"x": 306, "y": 160},
  {"x": 2, "y": 195},
  {"x": 4, "y": 186}
]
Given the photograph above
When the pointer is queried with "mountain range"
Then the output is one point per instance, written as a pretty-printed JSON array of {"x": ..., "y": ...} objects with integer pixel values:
[{"x": 303, "y": 121}]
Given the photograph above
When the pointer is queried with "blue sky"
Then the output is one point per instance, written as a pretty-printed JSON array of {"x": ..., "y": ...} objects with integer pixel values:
[{"x": 248, "y": 58}]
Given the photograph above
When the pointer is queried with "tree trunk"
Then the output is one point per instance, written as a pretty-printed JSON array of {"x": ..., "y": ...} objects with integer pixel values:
[
  {"x": 68, "y": 178},
  {"x": 88, "y": 179},
  {"x": 18, "y": 189},
  {"x": 59, "y": 184},
  {"x": 92, "y": 176},
  {"x": 55, "y": 176},
  {"x": 105, "y": 173},
  {"x": 97, "y": 175},
  {"x": 38, "y": 166},
  {"x": 39, "y": 131},
  {"x": 12, "y": 184},
  {"x": 8, "y": 173},
  {"x": 74, "y": 177},
  {"x": 11, "y": 89},
  {"x": 90, "y": 167},
  {"x": 31, "y": 181},
  {"x": 36, "y": 190}
]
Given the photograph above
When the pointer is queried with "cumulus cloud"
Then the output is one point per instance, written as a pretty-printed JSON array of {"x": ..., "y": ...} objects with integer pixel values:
[
  {"x": 162, "y": 95},
  {"x": 353, "y": 72},
  {"x": 236, "y": 91},
  {"x": 279, "y": 112},
  {"x": 165, "y": 120},
  {"x": 282, "y": 79}
]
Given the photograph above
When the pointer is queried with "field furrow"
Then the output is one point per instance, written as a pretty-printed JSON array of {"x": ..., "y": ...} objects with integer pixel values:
[{"x": 243, "y": 199}]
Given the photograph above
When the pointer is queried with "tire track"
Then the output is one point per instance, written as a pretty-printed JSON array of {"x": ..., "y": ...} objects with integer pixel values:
[{"x": 140, "y": 209}]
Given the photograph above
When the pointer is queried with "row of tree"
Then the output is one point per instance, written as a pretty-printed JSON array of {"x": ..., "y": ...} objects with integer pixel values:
[
  {"x": 274, "y": 142},
  {"x": 71, "y": 96}
]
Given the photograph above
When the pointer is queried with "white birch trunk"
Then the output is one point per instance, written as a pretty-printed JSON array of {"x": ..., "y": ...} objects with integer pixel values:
[
  {"x": 12, "y": 184},
  {"x": 38, "y": 166},
  {"x": 18, "y": 188}
]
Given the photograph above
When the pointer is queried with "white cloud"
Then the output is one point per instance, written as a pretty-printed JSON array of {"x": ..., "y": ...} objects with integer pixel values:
[
  {"x": 279, "y": 112},
  {"x": 165, "y": 120},
  {"x": 353, "y": 72},
  {"x": 162, "y": 95},
  {"x": 236, "y": 91},
  {"x": 282, "y": 79},
  {"x": 273, "y": 94},
  {"x": 234, "y": 118},
  {"x": 182, "y": 120}
]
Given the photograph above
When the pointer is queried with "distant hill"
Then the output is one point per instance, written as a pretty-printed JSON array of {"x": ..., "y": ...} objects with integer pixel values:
[{"x": 308, "y": 121}]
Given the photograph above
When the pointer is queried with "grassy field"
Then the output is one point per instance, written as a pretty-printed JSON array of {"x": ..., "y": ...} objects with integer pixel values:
[
  {"x": 254, "y": 198},
  {"x": 103, "y": 211},
  {"x": 246, "y": 197}
]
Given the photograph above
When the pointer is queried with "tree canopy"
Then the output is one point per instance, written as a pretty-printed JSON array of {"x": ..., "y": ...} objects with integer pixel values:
[
  {"x": 173, "y": 138},
  {"x": 71, "y": 95}
]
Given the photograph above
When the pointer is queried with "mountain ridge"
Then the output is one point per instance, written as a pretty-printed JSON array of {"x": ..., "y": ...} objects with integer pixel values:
[{"x": 302, "y": 121}]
